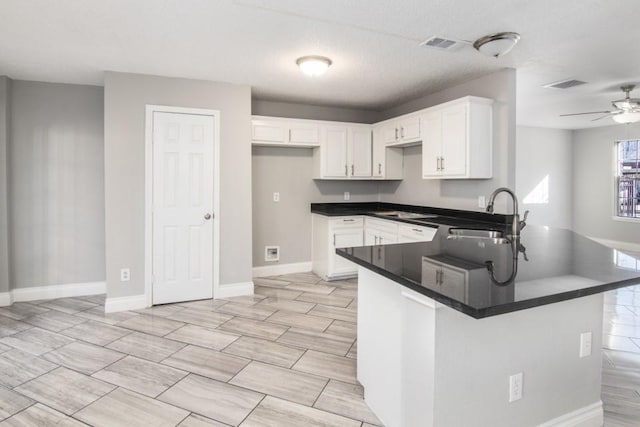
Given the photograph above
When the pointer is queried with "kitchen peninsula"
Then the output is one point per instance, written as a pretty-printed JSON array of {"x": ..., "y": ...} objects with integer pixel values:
[{"x": 469, "y": 332}]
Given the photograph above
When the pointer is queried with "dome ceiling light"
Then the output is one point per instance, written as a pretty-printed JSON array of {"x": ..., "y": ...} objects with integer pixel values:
[
  {"x": 497, "y": 44},
  {"x": 313, "y": 65}
]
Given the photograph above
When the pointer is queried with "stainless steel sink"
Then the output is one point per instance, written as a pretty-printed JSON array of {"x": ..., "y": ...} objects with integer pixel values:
[
  {"x": 404, "y": 215},
  {"x": 493, "y": 236}
]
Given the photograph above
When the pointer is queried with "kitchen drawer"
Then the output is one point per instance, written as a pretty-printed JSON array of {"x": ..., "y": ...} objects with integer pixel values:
[
  {"x": 413, "y": 233},
  {"x": 347, "y": 221},
  {"x": 382, "y": 225}
]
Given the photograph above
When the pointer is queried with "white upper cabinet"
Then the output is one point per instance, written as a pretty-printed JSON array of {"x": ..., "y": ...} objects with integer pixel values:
[
  {"x": 284, "y": 132},
  {"x": 400, "y": 132},
  {"x": 387, "y": 162},
  {"x": 345, "y": 153},
  {"x": 458, "y": 140}
]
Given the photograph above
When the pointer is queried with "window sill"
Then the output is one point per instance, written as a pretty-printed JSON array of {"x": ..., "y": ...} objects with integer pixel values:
[{"x": 626, "y": 219}]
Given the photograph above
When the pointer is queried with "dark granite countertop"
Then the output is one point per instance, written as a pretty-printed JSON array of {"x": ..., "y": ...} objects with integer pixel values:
[
  {"x": 438, "y": 216},
  {"x": 484, "y": 279}
]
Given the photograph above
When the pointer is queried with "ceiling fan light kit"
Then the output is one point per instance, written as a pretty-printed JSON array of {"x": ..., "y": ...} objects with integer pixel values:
[
  {"x": 497, "y": 44},
  {"x": 625, "y": 110}
]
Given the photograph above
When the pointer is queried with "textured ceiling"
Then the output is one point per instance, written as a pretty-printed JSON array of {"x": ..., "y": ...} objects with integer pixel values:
[{"x": 374, "y": 44}]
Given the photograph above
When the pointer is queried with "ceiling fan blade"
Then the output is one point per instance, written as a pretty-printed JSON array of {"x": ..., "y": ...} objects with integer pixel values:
[
  {"x": 581, "y": 114},
  {"x": 605, "y": 116}
]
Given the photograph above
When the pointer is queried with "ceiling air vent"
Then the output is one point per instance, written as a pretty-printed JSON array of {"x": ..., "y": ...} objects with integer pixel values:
[
  {"x": 565, "y": 84},
  {"x": 442, "y": 43}
]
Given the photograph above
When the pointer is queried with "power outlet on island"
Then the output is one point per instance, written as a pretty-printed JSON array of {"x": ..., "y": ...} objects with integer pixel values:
[
  {"x": 347, "y": 195},
  {"x": 585, "y": 344},
  {"x": 515, "y": 387}
]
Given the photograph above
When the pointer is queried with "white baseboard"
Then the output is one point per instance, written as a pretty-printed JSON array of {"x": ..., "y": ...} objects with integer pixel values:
[
  {"x": 588, "y": 416},
  {"x": 6, "y": 298},
  {"x": 278, "y": 269},
  {"x": 52, "y": 291},
  {"x": 235, "y": 290},
  {"x": 615, "y": 244},
  {"x": 134, "y": 302}
]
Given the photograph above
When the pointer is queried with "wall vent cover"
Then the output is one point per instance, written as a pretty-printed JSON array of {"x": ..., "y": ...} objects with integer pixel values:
[
  {"x": 565, "y": 84},
  {"x": 442, "y": 43}
]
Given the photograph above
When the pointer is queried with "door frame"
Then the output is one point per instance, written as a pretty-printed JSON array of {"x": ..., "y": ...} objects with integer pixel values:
[{"x": 148, "y": 213}]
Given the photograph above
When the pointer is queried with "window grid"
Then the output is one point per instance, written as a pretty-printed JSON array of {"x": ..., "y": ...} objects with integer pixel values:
[{"x": 628, "y": 178}]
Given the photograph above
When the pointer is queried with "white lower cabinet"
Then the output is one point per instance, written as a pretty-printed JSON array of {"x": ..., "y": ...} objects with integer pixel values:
[
  {"x": 329, "y": 234},
  {"x": 380, "y": 232}
]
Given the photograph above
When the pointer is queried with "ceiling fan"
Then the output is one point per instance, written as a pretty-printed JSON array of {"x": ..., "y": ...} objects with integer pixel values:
[{"x": 625, "y": 110}]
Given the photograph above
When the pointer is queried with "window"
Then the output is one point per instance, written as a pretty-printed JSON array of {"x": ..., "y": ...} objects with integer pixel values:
[{"x": 628, "y": 178}]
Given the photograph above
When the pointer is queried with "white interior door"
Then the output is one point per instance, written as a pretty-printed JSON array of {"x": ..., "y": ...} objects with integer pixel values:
[{"x": 183, "y": 150}]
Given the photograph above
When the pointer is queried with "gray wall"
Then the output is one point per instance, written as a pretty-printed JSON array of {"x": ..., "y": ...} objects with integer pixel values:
[
  {"x": 461, "y": 194},
  {"x": 56, "y": 184},
  {"x": 312, "y": 112},
  {"x": 5, "y": 119},
  {"x": 287, "y": 223},
  {"x": 544, "y": 175},
  {"x": 125, "y": 98},
  {"x": 593, "y": 199}
]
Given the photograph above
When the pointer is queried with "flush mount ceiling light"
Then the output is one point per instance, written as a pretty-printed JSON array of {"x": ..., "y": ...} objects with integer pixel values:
[
  {"x": 497, "y": 44},
  {"x": 314, "y": 65}
]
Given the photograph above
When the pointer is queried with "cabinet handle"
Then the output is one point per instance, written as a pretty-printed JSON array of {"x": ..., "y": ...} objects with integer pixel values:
[
  {"x": 348, "y": 220},
  {"x": 376, "y": 240},
  {"x": 437, "y": 163},
  {"x": 417, "y": 230},
  {"x": 334, "y": 240},
  {"x": 379, "y": 168},
  {"x": 396, "y": 133},
  {"x": 352, "y": 170},
  {"x": 346, "y": 170},
  {"x": 289, "y": 135},
  {"x": 380, "y": 239},
  {"x": 442, "y": 163},
  {"x": 402, "y": 132}
]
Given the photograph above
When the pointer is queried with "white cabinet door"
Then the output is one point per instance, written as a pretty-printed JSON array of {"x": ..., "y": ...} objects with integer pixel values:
[
  {"x": 454, "y": 141},
  {"x": 303, "y": 134},
  {"x": 335, "y": 158},
  {"x": 379, "y": 154},
  {"x": 410, "y": 129},
  {"x": 345, "y": 238},
  {"x": 269, "y": 131},
  {"x": 389, "y": 133},
  {"x": 360, "y": 152},
  {"x": 370, "y": 238},
  {"x": 385, "y": 238},
  {"x": 431, "y": 144}
]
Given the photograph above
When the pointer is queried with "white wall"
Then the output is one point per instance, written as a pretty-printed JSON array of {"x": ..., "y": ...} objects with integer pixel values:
[
  {"x": 544, "y": 175},
  {"x": 5, "y": 119},
  {"x": 125, "y": 98},
  {"x": 288, "y": 223},
  {"x": 313, "y": 112},
  {"x": 461, "y": 194},
  {"x": 594, "y": 187},
  {"x": 56, "y": 184}
]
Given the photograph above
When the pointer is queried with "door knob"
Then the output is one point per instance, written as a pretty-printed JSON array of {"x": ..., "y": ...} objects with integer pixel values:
[{"x": 207, "y": 216}]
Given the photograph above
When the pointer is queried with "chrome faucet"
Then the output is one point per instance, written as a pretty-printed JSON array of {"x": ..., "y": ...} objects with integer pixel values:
[{"x": 516, "y": 224}]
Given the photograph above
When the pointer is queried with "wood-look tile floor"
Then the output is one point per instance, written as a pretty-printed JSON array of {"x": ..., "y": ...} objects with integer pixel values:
[{"x": 284, "y": 357}]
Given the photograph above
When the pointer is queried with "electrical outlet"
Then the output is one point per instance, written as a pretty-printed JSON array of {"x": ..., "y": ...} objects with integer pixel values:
[
  {"x": 585, "y": 344},
  {"x": 276, "y": 197},
  {"x": 347, "y": 195},
  {"x": 515, "y": 387},
  {"x": 482, "y": 203},
  {"x": 125, "y": 274}
]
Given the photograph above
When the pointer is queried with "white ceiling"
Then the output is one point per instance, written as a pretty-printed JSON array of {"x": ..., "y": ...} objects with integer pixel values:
[{"x": 373, "y": 43}]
